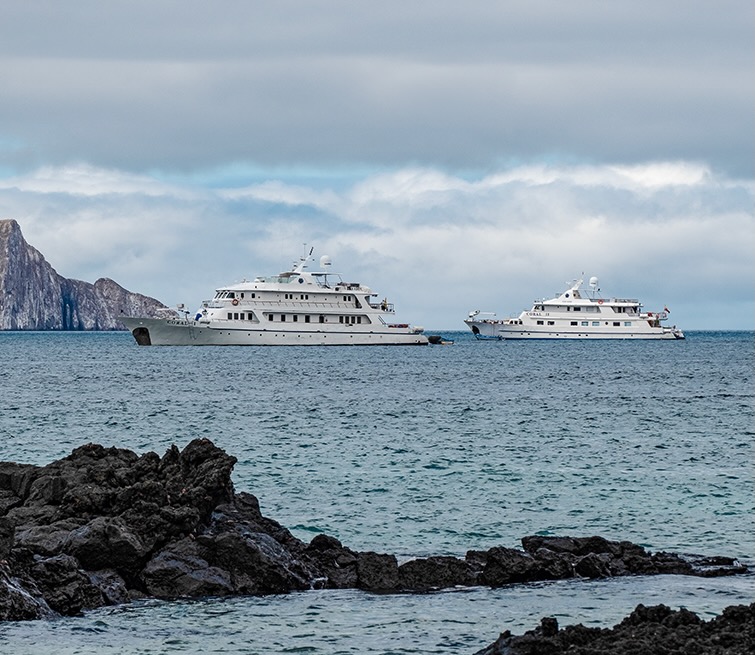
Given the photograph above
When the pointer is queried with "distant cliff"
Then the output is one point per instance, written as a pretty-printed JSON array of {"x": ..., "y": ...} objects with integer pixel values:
[{"x": 34, "y": 297}]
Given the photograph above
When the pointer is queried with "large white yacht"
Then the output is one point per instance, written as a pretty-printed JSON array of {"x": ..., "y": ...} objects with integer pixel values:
[
  {"x": 577, "y": 313},
  {"x": 296, "y": 307}
]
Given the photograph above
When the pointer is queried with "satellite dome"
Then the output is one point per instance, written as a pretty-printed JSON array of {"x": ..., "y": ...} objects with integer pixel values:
[
  {"x": 324, "y": 261},
  {"x": 593, "y": 281}
]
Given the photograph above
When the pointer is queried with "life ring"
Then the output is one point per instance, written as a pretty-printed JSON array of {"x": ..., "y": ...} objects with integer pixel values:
[
  {"x": 235, "y": 301},
  {"x": 600, "y": 302}
]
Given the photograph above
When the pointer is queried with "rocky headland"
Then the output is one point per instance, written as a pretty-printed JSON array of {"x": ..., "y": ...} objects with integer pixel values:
[
  {"x": 104, "y": 526},
  {"x": 33, "y": 296}
]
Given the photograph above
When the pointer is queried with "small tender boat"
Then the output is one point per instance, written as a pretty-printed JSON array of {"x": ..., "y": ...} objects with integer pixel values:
[
  {"x": 296, "y": 307},
  {"x": 577, "y": 313}
]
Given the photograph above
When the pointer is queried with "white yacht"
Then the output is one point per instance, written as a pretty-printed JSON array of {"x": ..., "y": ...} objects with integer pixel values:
[
  {"x": 296, "y": 307},
  {"x": 577, "y": 313}
]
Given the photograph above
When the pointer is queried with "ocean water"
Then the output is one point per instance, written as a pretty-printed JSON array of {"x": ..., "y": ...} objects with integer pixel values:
[{"x": 412, "y": 451}]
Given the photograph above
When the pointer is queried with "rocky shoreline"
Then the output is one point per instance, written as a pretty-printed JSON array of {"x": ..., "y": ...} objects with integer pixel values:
[{"x": 105, "y": 526}]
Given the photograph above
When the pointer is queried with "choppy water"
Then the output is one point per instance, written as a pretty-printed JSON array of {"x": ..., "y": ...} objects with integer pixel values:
[{"x": 414, "y": 451}]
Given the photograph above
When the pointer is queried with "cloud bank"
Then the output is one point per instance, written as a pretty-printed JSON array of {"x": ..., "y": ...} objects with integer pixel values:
[{"x": 438, "y": 245}]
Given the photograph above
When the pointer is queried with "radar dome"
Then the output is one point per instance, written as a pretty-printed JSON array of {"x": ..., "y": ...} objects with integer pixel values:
[
  {"x": 324, "y": 261},
  {"x": 593, "y": 281}
]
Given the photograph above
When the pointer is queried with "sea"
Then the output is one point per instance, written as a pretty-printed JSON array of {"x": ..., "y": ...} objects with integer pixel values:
[{"x": 416, "y": 452}]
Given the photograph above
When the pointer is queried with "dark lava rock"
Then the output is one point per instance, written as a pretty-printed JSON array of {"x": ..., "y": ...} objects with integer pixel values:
[
  {"x": 377, "y": 572},
  {"x": 506, "y": 565},
  {"x": 180, "y": 570},
  {"x": 437, "y": 573},
  {"x": 64, "y": 586},
  {"x": 105, "y": 525},
  {"x": 656, "y": 630}
]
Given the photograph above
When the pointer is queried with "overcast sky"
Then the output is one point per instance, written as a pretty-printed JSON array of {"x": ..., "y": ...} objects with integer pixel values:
[{"x": 453, "y": 156}]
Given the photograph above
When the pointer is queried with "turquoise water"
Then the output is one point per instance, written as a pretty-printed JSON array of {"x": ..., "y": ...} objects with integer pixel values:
[{"x": 414, "y": 451}]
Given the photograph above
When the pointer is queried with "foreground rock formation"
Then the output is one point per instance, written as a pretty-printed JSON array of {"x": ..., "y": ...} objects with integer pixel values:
[
  {"x": 646, "y": 631},
  {"x": 105, "y": 525},
  {"x": 34, "y": 297}
]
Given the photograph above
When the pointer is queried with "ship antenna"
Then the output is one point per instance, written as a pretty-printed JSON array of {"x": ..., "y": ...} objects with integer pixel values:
[{"x": 302, "y": 263}]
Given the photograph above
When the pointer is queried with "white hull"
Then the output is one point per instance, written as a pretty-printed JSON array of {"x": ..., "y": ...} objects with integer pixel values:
[
  {"x": 294, "y": 308},
  {"x": 577, "y": 313},
  {"x": 497, "y": 330},
  {"x": 181, "y": 332}
]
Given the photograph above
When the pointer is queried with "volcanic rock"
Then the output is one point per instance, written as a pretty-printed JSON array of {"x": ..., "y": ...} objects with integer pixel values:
[
  {"x": 648, "y": 630},
  {"x": 105, "y": 525}
]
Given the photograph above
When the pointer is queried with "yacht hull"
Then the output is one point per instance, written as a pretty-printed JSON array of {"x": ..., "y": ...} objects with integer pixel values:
[
  {"x": 182, "y": 332},
  {"x": 578, "y": 313},
  {"x": 497, "y": 330}
]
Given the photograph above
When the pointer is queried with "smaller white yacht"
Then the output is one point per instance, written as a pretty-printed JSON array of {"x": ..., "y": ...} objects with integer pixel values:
[
  {"x": 577, "y": 313},
  {"x": 296, "y": 307}
]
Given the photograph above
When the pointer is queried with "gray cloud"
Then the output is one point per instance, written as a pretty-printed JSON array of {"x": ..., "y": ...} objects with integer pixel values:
[{"x": 188, "y": 86}]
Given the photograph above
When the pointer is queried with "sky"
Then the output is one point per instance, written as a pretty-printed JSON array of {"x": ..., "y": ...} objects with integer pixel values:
[{"x": 452, "y": 156}]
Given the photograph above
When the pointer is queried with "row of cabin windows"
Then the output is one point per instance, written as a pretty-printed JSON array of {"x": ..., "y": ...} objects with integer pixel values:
[
  {"x": 286, "y": 296},
  {"x": 240, "y": 316},
  {"x": 306, "y": 318},
  {"x": 591, "y": 308},
  {"x": 587, "y": 323},
  {"x": 570, "y": 308},
  {"x": 294, "y": 317},
  {"x": 232, "y": 294}
]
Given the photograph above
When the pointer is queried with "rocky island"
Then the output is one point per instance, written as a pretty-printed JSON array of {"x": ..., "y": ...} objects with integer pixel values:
[
  {"x": 105, "y": 526},
  {"x": 33, "y": 296}
]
